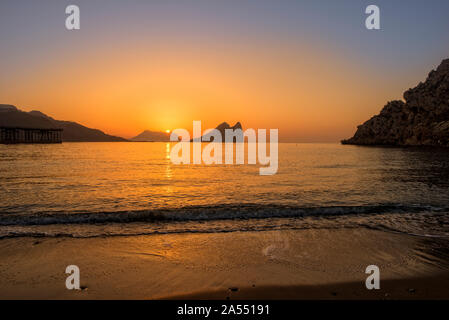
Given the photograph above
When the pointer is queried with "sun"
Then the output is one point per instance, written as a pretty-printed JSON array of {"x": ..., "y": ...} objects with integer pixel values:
[{"x": 167, "y": 131}]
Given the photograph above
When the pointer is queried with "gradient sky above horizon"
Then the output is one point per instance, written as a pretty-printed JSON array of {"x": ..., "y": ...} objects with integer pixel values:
[{"x": 309, "y": 68}]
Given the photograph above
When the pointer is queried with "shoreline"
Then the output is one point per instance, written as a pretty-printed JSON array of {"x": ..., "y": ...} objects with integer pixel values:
[{"x": 286, "y": 264}]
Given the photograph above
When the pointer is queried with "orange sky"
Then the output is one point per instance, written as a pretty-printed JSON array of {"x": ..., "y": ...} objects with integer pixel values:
[
  {"x": 155, "y": 74},
  {"x": 307, "y": 94}
]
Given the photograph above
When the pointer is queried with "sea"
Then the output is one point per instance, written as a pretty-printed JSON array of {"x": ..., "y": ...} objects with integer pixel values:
[{"x": 84, "y": 190}]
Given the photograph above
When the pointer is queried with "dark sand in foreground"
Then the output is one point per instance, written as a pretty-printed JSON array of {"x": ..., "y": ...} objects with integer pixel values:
[
  {"x": 424, "y": 288},
  {"x": 289, "y": 264}
]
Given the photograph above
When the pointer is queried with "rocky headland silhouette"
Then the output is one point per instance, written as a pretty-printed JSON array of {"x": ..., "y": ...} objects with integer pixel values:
[
  {"x": 12, "y": 117},
  {"x": 421, "y": 120}
]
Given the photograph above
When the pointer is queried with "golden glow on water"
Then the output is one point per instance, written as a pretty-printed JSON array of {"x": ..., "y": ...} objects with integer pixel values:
[
  {"x": 168, "y": 167},
  {"x": 167, "y": 150},
  {"x": 132, "y": 176},
  {"x": 79, "y": 180}
]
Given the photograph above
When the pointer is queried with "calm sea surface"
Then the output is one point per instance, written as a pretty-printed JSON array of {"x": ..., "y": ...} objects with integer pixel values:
[{"x": 105, "y": 189}]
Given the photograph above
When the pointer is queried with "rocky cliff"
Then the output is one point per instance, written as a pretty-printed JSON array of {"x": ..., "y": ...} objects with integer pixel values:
[
  {"x": 422, "y": 120},
  {"x": 222, "y": 129}
]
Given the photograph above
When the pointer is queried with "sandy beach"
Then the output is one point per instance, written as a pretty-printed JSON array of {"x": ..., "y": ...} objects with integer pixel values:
[{"x": 288, "y": 264}]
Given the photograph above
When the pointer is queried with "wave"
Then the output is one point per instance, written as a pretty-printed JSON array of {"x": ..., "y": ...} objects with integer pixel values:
[
  {"x": 87, "y": 235},
  {"x": 207, "y": 213}
]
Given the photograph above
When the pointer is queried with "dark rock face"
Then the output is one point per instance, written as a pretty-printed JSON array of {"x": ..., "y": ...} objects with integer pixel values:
[
  {"x": 422, "y": 120},
  {"x": 7, "y": 108}
]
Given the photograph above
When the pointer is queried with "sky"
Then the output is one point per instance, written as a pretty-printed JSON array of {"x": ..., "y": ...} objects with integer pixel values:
[{"x": 308, "y": 68}]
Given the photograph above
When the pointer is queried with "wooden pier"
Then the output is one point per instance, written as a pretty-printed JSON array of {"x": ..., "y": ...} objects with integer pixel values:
[{"x": 29, "y": 135}]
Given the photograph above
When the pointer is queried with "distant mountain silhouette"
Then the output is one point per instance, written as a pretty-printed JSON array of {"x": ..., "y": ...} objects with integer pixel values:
[
  {"x": 152, "y": 136},
  {"x": 10, "y": 116},
  {"x": 221, "y": 127}
]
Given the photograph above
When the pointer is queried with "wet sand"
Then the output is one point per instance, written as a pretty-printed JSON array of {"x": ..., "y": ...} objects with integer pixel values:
[{"x": 289, "y": 264}]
